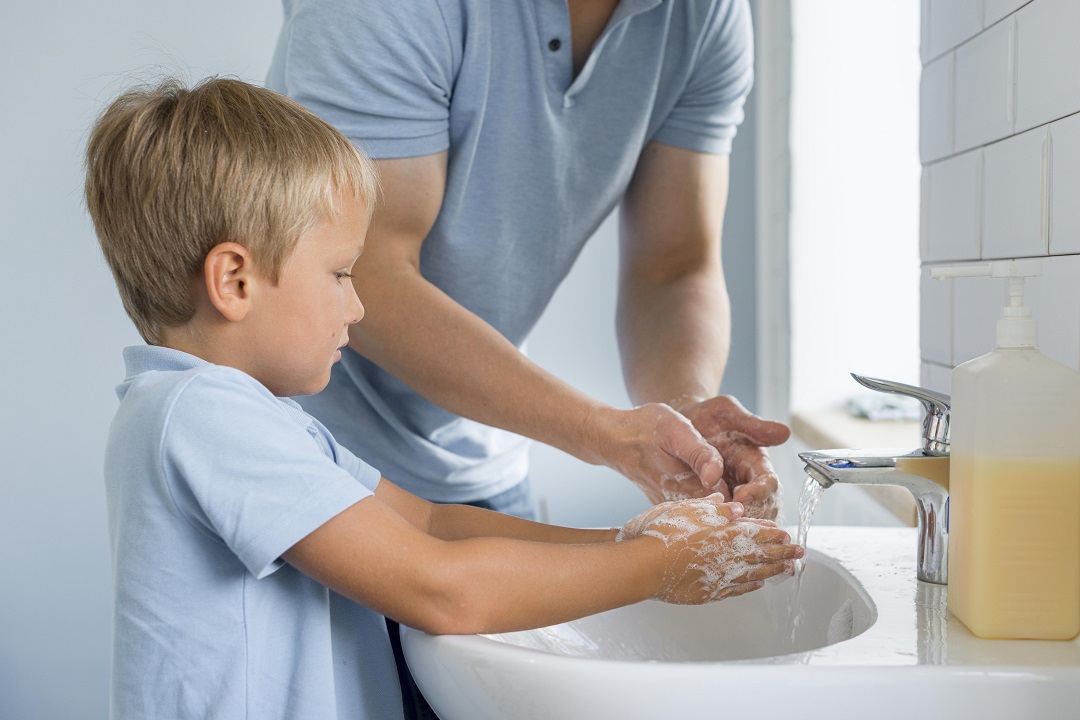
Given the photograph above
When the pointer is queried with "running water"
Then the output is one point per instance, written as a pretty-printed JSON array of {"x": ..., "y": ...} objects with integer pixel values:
[{"x": 808, "y": 501}]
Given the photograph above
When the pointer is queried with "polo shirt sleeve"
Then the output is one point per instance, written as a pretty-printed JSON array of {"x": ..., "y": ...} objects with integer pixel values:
[
  {"x": 710, "y": 108},
  {"x": 380, "y": 72},
  {"x": 241, "y": 470}
]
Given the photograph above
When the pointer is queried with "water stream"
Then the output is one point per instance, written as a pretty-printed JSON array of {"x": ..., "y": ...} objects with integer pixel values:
[{"x": 808, "y": 502}]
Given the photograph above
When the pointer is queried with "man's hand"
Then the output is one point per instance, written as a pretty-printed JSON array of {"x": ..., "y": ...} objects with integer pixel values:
[
  {"x": 659, "y": 450},
  {"x": 740, "y": 436}
]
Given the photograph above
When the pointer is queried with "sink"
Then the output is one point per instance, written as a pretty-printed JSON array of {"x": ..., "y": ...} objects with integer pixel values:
[
  {"x": 871, "y": 637},
  {"x": 758, "y": 625}
]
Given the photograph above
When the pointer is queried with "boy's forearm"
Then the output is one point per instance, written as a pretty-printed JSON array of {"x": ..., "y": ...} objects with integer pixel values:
[
  {"x": 378, "y": 558},
  {"x": 505, "y": 585},
  {"x": 460, "y": 522}
]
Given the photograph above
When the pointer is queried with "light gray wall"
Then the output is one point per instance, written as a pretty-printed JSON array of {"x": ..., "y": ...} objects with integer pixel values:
[{"x": 62, "y": 324}]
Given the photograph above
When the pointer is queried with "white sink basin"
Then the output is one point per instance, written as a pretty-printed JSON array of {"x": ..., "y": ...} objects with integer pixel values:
[{"x": 872, "y": 640}]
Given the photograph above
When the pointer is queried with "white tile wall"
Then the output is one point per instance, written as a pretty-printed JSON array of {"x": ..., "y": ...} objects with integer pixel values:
[
  {"x": 954, "y": 214},
  {"x": 1065, "y": 186},
  {"x": 1048, "y": 62},
  {"x": 951, "y": 23},
  {"x": 994, "y": 10},
  {"x": 924, "y": 31},
  {"x": 936, "y": 109},
  {"x": 924, "y": 213},
  {"x": 1055, "y": 301},
  {"x": 1012, "y": 204},
  {"x": 935, "y": 319},
  {"x": 1006, "y": 183},
  {"x": 977, "y": 306},
  {"x": 984, "y": 87},
  {"x": 936, "y": 377}
]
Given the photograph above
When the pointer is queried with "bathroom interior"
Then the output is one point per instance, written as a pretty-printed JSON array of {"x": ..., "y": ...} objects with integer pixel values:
[{"x": 882, "y": 140}]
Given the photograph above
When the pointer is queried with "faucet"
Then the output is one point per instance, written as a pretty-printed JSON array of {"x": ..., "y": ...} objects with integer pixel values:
[{"x": 912, "y": 469}]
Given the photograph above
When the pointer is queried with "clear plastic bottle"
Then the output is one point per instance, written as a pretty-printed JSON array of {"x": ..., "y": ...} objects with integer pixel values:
[{"x": 1014, "y": 485}]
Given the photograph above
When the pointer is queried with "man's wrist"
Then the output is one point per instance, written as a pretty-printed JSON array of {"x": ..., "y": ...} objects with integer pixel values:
[{"x": 684, "y": 400}]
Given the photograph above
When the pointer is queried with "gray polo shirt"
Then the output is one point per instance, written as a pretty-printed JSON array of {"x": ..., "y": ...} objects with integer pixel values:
[{"x": 537, "y": 159}]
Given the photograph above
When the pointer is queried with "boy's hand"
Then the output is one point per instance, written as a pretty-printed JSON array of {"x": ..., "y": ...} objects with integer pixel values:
[{"x": 710, "y": 551}]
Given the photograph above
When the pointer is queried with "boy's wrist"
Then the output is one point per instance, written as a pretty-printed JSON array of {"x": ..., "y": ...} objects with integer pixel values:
[{"x": 651, "y": 560}]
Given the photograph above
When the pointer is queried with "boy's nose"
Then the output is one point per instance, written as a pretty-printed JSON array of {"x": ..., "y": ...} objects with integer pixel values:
[{"x": 356, "y": 309}]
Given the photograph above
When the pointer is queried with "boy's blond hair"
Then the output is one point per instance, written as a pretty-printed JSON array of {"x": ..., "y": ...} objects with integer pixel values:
[{"x": 173, "y": 171}]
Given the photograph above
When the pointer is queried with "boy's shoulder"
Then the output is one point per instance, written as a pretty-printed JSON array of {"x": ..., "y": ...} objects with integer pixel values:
[{"x": 160, "y": 371}]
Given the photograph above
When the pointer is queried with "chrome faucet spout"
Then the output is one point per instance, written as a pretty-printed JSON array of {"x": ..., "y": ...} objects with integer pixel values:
[
  {"x": 895, "y": 467},
  {"x": 913, "y": 469}
]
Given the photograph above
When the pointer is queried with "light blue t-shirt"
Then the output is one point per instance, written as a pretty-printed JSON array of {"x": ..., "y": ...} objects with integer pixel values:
[
  {"x": 209, "y": 479},
  {"x": 537, "y": 159}
]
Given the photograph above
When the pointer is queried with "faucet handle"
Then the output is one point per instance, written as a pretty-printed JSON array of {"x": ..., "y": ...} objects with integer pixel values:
[{"x": 937, "y": 406}]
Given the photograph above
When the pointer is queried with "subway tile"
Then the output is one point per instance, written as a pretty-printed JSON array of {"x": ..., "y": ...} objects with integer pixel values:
[
  {"x": 994, "y": 10},
  {"x": 1048, "y": 74},
  {"x": 1055, "y": 301},
  {"x": 1014, "y": 220},
  {"x": 924, "y": 214},
  {"x": 1065, "y": 186},
  {"x": 936, "y": 377},
  {"x": 935, "y": 319},
  {"x": 953, "y": 217},
  {"x": 952, "y": 22},
  {"x": 977, "y": 303},
  {"x": 936, "y": 100},
  {"x": 983, "y": 82},
  {"x": 924, "y": 31}
]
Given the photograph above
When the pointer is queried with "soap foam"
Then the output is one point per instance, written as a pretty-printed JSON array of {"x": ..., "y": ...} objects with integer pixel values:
[{"x": 721, "y": 560}]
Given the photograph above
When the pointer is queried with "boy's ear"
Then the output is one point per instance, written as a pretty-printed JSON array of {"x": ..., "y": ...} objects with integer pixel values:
[{"x": 228, "y": 272}]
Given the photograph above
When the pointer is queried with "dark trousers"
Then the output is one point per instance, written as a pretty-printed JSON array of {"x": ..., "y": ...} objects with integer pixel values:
[{"x": 515, "y": 501}]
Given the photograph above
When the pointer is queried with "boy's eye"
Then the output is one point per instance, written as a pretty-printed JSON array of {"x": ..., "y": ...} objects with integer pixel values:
[{"x": 342, "y": 274}]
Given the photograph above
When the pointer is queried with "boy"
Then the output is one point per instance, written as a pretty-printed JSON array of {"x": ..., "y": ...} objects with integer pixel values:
[{"x": 254, "y": 557}]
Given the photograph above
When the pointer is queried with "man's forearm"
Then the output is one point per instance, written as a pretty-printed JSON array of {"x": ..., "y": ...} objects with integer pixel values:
[
  {"x": 459, "y": 362},
  {"x": 674, "y": 336}
]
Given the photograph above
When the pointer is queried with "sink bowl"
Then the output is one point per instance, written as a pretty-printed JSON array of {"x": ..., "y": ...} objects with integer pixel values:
[
  {"x": 869, "y": 638},
  {"x": 835, "y": 607}
]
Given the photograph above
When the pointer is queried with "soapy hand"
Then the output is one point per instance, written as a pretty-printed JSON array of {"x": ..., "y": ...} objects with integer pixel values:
[
  {"x": 740, "y": 438},
  {"x": 710, "y": 551}
]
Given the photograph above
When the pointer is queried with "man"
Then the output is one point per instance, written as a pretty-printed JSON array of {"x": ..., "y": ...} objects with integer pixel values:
[{"x": 505, "y": 131}]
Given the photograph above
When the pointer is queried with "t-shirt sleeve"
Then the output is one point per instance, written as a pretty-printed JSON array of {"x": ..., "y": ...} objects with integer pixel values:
[
  {"x": 710, "y": 108},
  {"x": 380, "y": 72},
  {"x": 240, "y": 469}
]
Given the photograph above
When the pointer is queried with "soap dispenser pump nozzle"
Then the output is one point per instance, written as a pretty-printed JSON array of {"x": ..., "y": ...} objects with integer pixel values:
[{"x": 1016, "y": 328}]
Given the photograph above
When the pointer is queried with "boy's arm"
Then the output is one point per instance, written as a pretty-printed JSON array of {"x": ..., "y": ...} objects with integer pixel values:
[
  {"x": 376, "y": 557},
  {"x": 459, "y": 522},
  {"x": 685, "y": 552}
]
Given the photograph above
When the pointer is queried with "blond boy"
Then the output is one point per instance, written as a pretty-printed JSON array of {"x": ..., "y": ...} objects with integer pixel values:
[{"x": 254, "y": 557}]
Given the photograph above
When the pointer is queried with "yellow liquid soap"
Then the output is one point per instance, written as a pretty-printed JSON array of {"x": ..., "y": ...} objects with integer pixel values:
[{"x": 1014, "y": 546}]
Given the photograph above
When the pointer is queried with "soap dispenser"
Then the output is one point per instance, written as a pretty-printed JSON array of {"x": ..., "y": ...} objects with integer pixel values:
[{"x": 1014, "y": 481}]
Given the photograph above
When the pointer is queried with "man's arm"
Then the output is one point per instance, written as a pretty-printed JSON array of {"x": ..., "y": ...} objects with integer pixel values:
[
  {"x": 674, "y": 319},
  {"x": 456, "y": 360}
]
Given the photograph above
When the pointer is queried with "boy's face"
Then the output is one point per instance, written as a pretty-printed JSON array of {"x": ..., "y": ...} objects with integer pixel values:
[{"x": 302, "y": 322}]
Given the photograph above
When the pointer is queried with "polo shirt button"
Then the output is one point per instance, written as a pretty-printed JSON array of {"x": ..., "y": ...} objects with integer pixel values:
[{"x": 554, "y": 44}]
